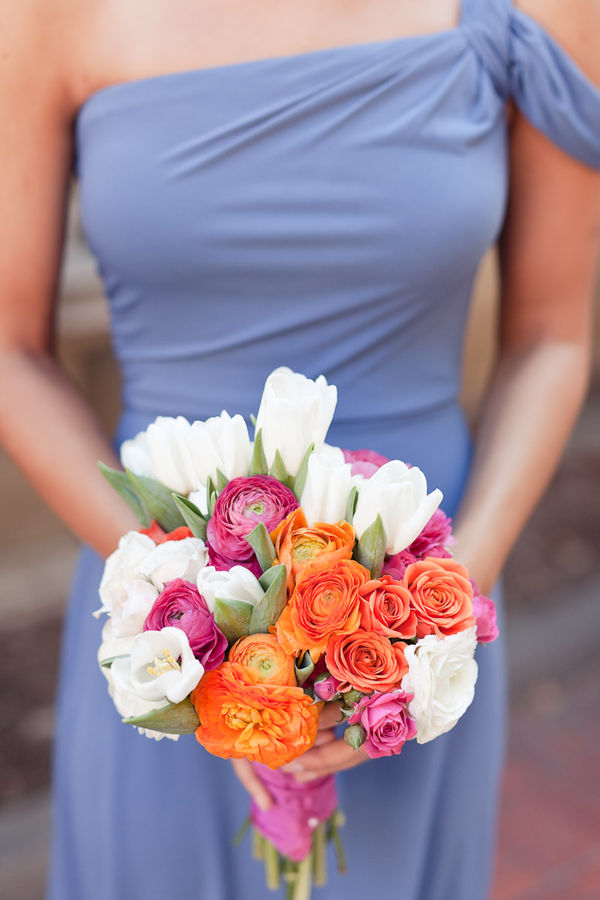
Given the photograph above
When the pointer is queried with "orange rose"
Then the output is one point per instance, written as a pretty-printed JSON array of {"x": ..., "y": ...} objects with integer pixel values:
[
  {"x": 297, "y": 545},
  {"x": 324, "y": 601},
  {"x": 386, "y": 607},
  {"x": 366, "y": 661},
  {"x": 244, "y": 718},
  {"x": 442, "y": 596},
  {"x": 264, "y": 654}
]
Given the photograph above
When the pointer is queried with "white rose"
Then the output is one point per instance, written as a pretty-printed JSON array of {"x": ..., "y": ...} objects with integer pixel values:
[
  {"x": 221, "y": 442},
  {"x": 163, "y": 452},
  {"x": 441, "y": 675},
  {"x": 294, "y": 413},
  {"x": 137, "y": 571},
  {"x": 161, "y": 667},
  {"x": 328, "y": 484},
  {"x": 399, "y": 494},
  {"x": 124, "y": 592},
  {"x": 236, "y": 584},
  {"x": 174, "y": 559}
]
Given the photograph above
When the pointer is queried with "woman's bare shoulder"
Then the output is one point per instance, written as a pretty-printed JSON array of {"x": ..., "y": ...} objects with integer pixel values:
[
  {"x": 41, "y": 45},
  {"x": 575, "y": 24}
]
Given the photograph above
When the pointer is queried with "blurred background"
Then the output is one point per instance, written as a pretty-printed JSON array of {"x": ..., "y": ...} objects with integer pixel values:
[{"x": 550, "y": 829}]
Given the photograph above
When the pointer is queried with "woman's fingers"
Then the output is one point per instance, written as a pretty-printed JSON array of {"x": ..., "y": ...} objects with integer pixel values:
[
  {"x": 326, "y": 759},
  {"x": 324, "y": 736},
  {"x": 254, "y": 786},
  {"x": 330, "y": 716}
]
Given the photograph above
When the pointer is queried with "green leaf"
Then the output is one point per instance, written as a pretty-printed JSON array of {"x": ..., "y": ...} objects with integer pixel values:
[
  {"x": 211, "y": 497},
  {"x": 370, "y": 550},
  {"x": 107, "y": 663},
  {"x": 258, "y": 463},
  {"x": 351, "y": 505},
  {"x": 279, "y": 471},
  {"x": 233, "y": 618},
  {"x": 192, "y": 516},
  {"x": 355, "y": 736},
  {"x": 121, "y": 483},
  {"x": 300, "y": 479},
  {"x": 222, "y": 481},
  {"x": 253, "y": 419},
  {"x": 176, "y": 718},
  {"x": 157, "y": 501},
  {"x": 304, "y": 668},
  {"x": 260, "y": 541},
  {"x": 269, "y": 608}
]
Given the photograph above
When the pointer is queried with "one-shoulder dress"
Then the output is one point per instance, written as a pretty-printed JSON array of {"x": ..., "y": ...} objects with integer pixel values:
[{"x": 326, "y": 211}]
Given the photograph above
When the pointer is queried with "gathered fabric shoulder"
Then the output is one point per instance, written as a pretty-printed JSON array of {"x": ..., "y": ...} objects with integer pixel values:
[{"x": 528, "y": 65}]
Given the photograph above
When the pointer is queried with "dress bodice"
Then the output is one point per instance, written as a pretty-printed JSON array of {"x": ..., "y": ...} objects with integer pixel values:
[{"x": 326, "y": 210}]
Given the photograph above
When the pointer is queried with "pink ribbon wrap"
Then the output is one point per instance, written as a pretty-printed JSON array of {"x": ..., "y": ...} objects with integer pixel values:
[{"x": 296, "y": 810}]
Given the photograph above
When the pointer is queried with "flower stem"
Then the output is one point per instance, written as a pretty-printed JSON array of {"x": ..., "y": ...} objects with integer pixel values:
[
  {"x": 303, "y": 882},
  {"x": 320, "y": 854},
  {"x": 272, "y": 872},
  {"x": 258, "y": 844},
  {"x": 334, "y": 823}
]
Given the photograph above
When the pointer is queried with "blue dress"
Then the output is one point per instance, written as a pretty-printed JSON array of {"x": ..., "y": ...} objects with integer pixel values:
[{"x": 326, "y": 211}]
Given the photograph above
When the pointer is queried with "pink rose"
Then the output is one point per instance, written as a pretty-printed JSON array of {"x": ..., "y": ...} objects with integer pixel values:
[
  {"x": 181, "y": 605},
  {"x": 386, "y": 721},
  {"x": 326, "y": 688},
  {"x": 484, "y": 611},
  {"x": 364, "y": 462},
  {"x": 240, "y": 506},
  {"x": 435, "y": 537}
]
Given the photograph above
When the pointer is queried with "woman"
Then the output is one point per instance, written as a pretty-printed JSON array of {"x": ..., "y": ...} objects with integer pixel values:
[{"x": 311, "y": 185}]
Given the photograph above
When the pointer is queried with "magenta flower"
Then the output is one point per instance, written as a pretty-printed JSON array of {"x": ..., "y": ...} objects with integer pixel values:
[
  {"x": 435, "y": 537},
  {"x": 397, "y": 564},
  {"x": 326, "y": 688},
  {"x": 181, "y": 605},
  {"x": 386, "y": 721},
  {"x": 364, "y": 462},
  {"x": 484, "y": 611},
  {"x": 240, "y": 506}
]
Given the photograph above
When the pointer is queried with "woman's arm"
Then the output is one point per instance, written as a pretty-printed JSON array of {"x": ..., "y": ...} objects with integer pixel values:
[
  {"x": 45, "y": 424},
  {"x": 549, "y": 251}
]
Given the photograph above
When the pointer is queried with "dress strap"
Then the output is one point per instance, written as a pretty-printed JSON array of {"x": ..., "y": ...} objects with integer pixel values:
[{"x": 529, "y": 65}]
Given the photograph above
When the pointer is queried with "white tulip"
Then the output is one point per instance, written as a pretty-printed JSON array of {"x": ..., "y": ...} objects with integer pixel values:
[
  {"x": 399, "y": 494},
  {"x": 200, "y": 499},
  {"x": 161, "y": 667},
  {"x": 163, "y": 452},
  {"x": 441, "y": 676},
  {"x": 221, "y": 442},
  {"x": 236, "y": 584},
  {"x": 127, "y": 705},
  {"x": 329, "y": 481},
  {"x": 138, "y": 570},
  {"x": 294, "y": 413}
]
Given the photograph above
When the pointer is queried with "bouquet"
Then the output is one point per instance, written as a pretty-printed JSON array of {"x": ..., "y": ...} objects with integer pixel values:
[{"x": 271, "y": 577}]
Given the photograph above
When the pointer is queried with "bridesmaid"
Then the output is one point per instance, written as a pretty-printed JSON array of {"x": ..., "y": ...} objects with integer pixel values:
[{"x": 311, "y": 184}]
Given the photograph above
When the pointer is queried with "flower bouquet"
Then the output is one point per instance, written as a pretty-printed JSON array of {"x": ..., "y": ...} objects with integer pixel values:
[{"x": 270, "y": 577}]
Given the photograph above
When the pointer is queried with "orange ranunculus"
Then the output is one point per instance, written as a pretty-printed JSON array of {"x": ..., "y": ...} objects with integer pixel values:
[
  {"x": 442, "y": 596},
  {"x": 386, "y": 607},
  {"x": 297, "y": 545},
  {"x": 324, "y": 601},
  {"x": 366, "y": 661},
  {"x": 264, "y": 654},
  {"x": 160, "y": 536},
  {"x": 244, "y": 718}
]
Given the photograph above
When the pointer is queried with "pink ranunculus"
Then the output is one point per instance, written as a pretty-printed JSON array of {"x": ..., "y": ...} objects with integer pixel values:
[
  {"x": 241, "y": 505},
  {"x": 397, "y": 564},
  {"x": 484, "y": 611},
  {"x": 181, "y": 605},
  {"x": 435, "y": 537},
  {"x": 387, "y": 722},
  {"x": 326, "y": 688},
  {"x": 364, "y": 462}
]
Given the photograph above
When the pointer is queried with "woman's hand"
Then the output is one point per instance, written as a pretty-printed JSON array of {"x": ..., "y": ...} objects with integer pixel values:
[{"x": 328, "y": 754}]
